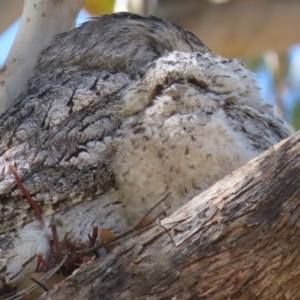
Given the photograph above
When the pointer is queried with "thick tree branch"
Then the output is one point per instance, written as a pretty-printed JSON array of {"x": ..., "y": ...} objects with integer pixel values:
[{"x": 239, "y": 239}]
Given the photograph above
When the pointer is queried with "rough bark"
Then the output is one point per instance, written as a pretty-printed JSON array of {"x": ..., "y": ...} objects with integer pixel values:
[
  {"x": 237, "y": 28},
  {"x": 237, "y": 240}
]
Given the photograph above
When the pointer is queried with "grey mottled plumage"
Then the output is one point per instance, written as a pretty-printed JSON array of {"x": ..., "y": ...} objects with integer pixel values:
[{"x": 118, "y": 112}]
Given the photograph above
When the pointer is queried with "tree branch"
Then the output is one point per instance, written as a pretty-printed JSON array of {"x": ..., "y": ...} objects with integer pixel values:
[{"x": 238, "y": 239}]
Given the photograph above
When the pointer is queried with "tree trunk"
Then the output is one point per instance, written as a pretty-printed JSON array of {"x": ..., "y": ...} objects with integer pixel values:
[{"x": 237, "y": 240}]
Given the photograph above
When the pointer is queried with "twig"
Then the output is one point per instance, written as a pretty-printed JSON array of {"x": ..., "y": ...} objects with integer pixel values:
[
  {"x": 128, "y": 233},
  {"x": 18, "y": 296},
  {"x": 157, "y": 217},
  {"x": 65, "y": 240},
  {"x": 39, "y": 283},
  {"x": 94, "y": 236},
  {"x": 73, "y": 259},
  {"x": 56, "y": 242},
  {"x": 162, "y": 199},
  {"x": 41, "y": 261},
  {"x": 167, "y": 232},
  {"x": 25, "y": 192}
]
